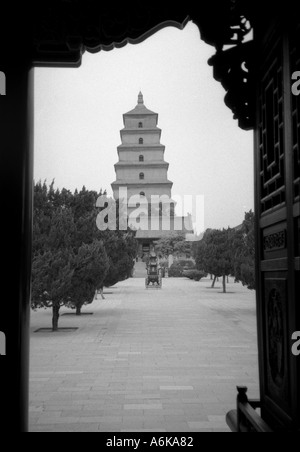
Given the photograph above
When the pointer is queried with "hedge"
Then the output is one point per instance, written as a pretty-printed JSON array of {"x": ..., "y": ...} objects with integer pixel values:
[
  {"x": 178, "y": 267},
  {"x": 196, "y": 275}
]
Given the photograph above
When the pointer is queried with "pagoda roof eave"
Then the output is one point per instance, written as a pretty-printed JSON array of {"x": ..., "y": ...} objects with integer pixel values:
[
  {"x": 141, "y": 129},
  {"x": 141, "y": 146},
  {"x": 144, "y": 164},
  {"x": 140, "y": 111},
  {"x": 125, "y": 183}
]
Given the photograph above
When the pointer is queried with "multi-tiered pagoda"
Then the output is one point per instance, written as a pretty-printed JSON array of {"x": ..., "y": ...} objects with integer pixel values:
[{"x": 143, "y": 171}]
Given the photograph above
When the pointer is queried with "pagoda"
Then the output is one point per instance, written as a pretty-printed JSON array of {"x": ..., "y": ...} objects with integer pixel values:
[{"x": 142, "y": 170}]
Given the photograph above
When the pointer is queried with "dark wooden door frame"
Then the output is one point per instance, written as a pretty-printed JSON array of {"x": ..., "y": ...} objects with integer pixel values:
[{"x": 58, "y": 39}]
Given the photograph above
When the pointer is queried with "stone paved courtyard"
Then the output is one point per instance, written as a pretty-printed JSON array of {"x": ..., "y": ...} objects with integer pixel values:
[{"x": 146, "y": 360}]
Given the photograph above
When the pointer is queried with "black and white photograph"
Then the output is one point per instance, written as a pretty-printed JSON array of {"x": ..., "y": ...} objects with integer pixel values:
[{"x": 150, "y": 174}]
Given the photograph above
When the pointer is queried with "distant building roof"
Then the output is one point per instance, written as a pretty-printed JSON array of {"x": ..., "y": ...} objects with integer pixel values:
[{"x": 126, "y": 183}]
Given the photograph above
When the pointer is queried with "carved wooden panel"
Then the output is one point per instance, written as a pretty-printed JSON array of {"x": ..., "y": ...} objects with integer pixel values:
[
  {"x": 274, "y": 241},
  {"x": 295, "y": 65},
  {"x": 276, "y": 340},
  {"x": 270, "y": 128}
]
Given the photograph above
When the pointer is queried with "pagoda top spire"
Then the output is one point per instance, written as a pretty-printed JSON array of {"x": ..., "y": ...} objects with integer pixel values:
[
  {"x": 140, "y": 98},
  {"x": 140, "y": 108}
]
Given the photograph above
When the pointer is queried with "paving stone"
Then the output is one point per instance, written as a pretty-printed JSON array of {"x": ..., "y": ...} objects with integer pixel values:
[
  {"x": 165, "y": 361},
  {"x": 176, "y": 388},
  {"x": 143, "y": 406}
]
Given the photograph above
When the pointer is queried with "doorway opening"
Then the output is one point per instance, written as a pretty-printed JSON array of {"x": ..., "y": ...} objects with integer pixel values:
[{"x": 163, "y": 353}]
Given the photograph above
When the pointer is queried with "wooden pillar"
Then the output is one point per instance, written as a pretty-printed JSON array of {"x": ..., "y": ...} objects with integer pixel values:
[{"x": 16, "y": 123}]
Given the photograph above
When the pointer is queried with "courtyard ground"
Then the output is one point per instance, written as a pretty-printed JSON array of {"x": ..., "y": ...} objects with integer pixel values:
[{"x": 151, "y": 360}]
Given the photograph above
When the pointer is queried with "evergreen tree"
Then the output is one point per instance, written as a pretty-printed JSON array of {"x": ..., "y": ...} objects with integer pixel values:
[
  {"x": 51, "y": 281},
  {"x": 52, "y": 266},
  {"x": 62, "y": 230},
  {"x": 71, "y": 257},
  {"x": 121, "y": 249},
  {"x": 172, "y": 243},
  {"x": 90, "y": 268},
  {"x": 244, "y": 252},
  {"x": 214, "y": 254},
  {"x": 229, "y": 251}
]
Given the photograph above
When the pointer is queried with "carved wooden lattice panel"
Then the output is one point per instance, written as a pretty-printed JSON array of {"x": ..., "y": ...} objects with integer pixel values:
[
  {"x": 276, "y": 341},
  {"x": 271, "y": 139},
  {"x": 295, "y": 66}
]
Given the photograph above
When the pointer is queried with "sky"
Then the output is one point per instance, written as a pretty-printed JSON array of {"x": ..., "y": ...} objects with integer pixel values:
[{"x": 78, "y": 118}]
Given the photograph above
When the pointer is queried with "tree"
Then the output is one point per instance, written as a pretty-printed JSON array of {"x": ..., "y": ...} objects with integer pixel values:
[
  {"x": 120, "y": 244},
  {"x": 86, "y": 230},
  {"x": 121, "y": 249},
  {"x": 52, "y": 267},
  {"x": 51, "y": 281},
  {"x": 62, "y": 230},
  {"x": 71, "y": 257},
  {"x": 172, "y": 243},
  {"x": 244, "y": 252},
  {"x": 214, "y": 254},
  {"x": 42, "y": 212},
  {"x": 84, "y": 202},
  {"x": 230, "y": 251},
  {"x": 90, "y": 268},
  {"x": 202, "y": 254},
  {"x": 224, "y": 255}
]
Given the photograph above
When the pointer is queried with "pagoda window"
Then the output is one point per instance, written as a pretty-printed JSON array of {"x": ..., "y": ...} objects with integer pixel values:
[
  {"x": 140, "y": 125},
  {"x": 142, "y": 176},
  {"x": 141, "y": 158},
  {"x": 141, "y": 141}
]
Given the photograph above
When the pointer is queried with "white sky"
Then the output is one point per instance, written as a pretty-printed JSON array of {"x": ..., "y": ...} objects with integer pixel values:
[{"x": 78, "y": 117}]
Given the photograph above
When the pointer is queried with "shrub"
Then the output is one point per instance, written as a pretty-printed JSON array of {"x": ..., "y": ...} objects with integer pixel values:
[
  {"x": 186, "y": 264},
  {"x": 248, "y": 276},
  {"x": 194, "y": 274},
  {"x": 179, "y": 266},
  {"x": 175, "y": 271}
]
